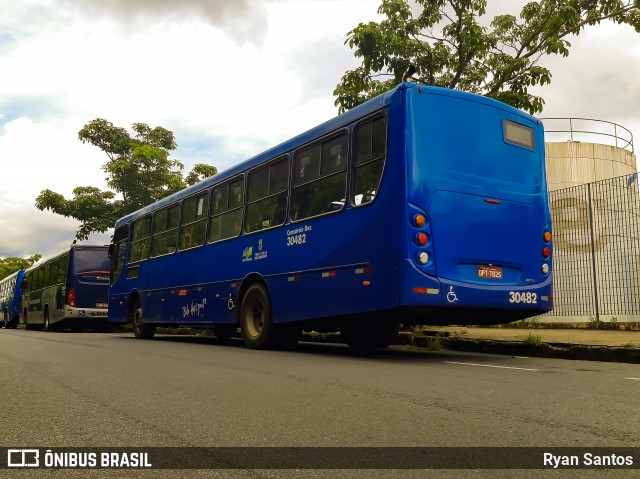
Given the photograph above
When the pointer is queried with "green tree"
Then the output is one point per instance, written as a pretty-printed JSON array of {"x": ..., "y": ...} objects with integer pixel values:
[
  {"x": 200, "y": 172},
  {"x": 139, "y": 172},
  {"x": 12, "y": 264},
  {"x": 448, "y": 46}
]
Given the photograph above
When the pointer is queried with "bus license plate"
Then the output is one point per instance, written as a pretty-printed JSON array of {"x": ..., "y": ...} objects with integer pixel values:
[{"x": 492, "y": 272}]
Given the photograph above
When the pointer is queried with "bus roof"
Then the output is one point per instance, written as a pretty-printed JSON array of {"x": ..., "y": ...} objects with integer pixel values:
[
  {"x": 328, "y": 126},
  {"x": 42, "y": 261}
]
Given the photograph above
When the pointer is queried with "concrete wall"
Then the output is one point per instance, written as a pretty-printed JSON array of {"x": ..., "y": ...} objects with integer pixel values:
[{"x": 577, "y": 163}]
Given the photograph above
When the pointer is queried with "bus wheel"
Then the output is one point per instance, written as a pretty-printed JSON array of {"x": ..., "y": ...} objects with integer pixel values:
[
  {"x": 141, "y": 330},
  {"x": 26, "y": 321},
  {"x": 364, "y": 335},
  {"x": 255, "y": 318},
  {"x": 5, "y": 321}
]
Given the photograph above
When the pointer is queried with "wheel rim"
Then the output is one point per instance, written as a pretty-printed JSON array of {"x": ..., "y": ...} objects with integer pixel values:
[{"x": 255, "y": 320}]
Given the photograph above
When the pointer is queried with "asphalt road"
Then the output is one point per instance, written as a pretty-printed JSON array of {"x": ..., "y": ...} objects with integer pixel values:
[{"x": 110, "y": 390}]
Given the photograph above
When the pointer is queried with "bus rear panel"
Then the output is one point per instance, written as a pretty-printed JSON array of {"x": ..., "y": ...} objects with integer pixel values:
[
  {"x": 476, "y": 175},
  {"x": 70, "y": 288}
]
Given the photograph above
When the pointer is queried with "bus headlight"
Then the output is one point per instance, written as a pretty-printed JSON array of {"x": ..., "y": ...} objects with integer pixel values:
[
  {"x": 423, "y": 258},
  {"x": 545, "y": 268}
]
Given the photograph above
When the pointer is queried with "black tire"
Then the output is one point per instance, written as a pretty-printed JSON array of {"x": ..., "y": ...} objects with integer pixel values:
[
  {"x": 27, "y": 326},
  {"x": 141, "y": 330},
  {"x": 363, "y": 335},
  {"x": 14, "y": 323},
  {"x": 255, "y": 318}
]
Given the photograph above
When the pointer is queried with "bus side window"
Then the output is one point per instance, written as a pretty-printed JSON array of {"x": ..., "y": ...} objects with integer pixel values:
[
  {"x": 324, "y": 192},
  {"x": 54, "y": 273},
  {"x": 63, "y": 264},
  {"x": 47, "y": 276},
  {"x": 267, "y": 207},
  {"x": 140, "y": 239},
  {"x": 369, "y": 158},
  {"x": 226, "y": 210},
  {"x": 120, "y": 238},
  {"x": 165, "y": 230},
  {"x": 193, "y": 221}
]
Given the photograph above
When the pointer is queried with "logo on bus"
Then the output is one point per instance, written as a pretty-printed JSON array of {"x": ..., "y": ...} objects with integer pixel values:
[
  {"x": 247, "y": 254},
  {"x": 452, "y": 297}
]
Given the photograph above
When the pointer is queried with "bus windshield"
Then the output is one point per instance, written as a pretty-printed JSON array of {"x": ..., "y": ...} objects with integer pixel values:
[{"x": 92, "y": 264}]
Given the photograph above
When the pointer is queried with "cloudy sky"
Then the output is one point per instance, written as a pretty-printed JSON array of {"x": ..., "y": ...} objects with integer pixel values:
[{"x": 230, "y": 78}]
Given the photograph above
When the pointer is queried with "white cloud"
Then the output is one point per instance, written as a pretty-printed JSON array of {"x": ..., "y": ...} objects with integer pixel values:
[
  {"x": 234, "y": 78},
  {"x": 36, "y": 156}
]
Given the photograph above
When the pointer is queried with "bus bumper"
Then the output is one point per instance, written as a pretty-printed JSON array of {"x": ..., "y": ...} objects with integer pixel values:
[
  {"x": 419, "y": 289},
  {"x": 85, "y": 313}
]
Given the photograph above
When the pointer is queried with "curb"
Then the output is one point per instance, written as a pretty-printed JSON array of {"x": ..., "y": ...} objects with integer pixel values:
[{"x": 544, "y": 350}]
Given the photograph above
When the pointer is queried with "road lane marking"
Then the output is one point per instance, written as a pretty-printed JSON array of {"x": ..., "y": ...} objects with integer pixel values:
[
  {"x": 634, "y": 379},
  {"x": 491, "y": 366}
]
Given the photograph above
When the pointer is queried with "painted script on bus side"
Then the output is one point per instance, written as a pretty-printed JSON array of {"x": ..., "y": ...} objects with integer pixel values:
[{"x": 194, "y": 309}]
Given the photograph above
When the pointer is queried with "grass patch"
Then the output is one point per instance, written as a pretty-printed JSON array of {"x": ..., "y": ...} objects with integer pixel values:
[
  {"x": 531, "y": 339},
  {"x": 434, "y": 343}
]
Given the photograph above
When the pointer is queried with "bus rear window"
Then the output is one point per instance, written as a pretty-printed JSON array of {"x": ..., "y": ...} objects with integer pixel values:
[
  {"x": 92, "y": 263},
  {"x": 518, "y": 134}
]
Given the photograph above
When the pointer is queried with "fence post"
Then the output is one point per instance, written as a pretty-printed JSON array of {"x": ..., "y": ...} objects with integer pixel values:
[{"x": 593, "y": 256}]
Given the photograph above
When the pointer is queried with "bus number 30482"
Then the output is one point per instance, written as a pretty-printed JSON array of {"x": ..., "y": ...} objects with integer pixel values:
[
  {"x": 296, "y": 239},
  {"x": 529, "y": 298}
]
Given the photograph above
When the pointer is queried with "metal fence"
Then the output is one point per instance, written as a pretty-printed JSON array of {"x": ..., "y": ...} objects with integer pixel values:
[
  {"x": 589, "y": 130},
  {"x": 596, "y": 230}
]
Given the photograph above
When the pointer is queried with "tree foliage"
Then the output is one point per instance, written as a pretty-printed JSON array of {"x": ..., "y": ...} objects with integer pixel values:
[
  {"x": 12, "y": 264},
  {"x": 139, "y": 171},
  {"x": 450, "y": 47}
]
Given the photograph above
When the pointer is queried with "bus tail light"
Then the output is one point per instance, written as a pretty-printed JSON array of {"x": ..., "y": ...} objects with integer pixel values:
[
  {"x": 546, "y": 252},
  {"x": 420, "y": 239},
  {"x": 547, "y": 237},
  {"x": 71, "y": 297}
]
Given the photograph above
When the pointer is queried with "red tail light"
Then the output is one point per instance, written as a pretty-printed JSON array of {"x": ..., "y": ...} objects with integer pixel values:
[
  {"x": 71, "y": 297},
  {"x": 546, "y": 252}
]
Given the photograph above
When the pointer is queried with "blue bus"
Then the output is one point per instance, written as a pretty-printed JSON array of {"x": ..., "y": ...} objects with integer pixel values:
[
  {"x": 68, "y": 288},
  {"x": 10, "y": 297},
  {"x": 421, "y": 206}
]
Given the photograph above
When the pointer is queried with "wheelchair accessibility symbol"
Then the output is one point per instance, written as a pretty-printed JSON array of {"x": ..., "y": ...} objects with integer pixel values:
[{"x": 451, "y": 295}]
